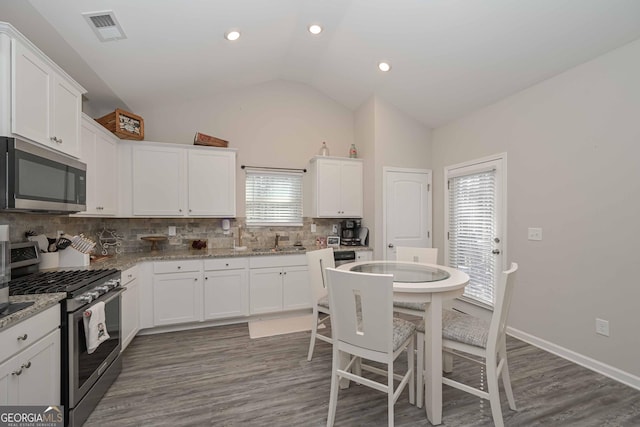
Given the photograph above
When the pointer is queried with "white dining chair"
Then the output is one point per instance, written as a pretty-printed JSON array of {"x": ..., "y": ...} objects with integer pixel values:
[
  {"x": 484, "y": 340},
  {"x": 363, "y": 327},
  {"x": 317, "y": 261},
  {"x": 411, "y": 254}
]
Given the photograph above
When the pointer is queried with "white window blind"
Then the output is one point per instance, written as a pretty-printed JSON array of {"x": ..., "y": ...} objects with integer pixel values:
[
  {"x": 472, "y": 229},
  {"x": 273, "y": 197}
]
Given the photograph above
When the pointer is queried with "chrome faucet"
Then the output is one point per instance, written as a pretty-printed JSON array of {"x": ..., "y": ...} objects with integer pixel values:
[{"x": 277, "y": 239}]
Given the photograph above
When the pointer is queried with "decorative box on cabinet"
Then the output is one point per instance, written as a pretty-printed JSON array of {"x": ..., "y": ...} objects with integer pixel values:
[
  {"x": 278, "y": 283},
  {"x": 30, "y": 361},
  {"x": 98, "y": 149},
  {"x": 336, "y": 186},
  {"x": 40, "y": 102}
]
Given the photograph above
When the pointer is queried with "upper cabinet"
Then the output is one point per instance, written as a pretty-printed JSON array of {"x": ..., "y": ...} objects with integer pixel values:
[
  {"x": 44, "y": 104},
  {"x": 170, "y": 180},
  {"x": 336, "y": 187},
  {"x": 98, "y": 149}
]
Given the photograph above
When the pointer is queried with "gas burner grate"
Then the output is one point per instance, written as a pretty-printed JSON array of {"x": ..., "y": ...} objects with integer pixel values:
[{"x": 56, "y": 281}]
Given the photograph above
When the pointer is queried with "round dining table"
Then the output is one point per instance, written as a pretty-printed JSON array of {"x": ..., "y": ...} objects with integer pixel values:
[{"x": 423, "y": 283}]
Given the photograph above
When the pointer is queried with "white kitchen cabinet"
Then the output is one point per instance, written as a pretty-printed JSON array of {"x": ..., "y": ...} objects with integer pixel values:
[
  {"x": 364, "y": 256},
  {"x": 98, "y": 149},
  {"x": 336, "y": 187},
  {"x": 31, "y": 376},
  {"x": 226, "y": 288},
  {"x": 46, "y": 104},
  {"x": 178, "y": 180},
  {"x": 278, "y": 283},
  {"x": 177, "y": 297},
  {"x": 130, "y": 306}
]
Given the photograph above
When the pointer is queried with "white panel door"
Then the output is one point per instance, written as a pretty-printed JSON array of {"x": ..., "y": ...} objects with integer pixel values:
[
  {"x": 226, "y": 294},
  {"x": 66, "y": 112},
  {"x": 329, "y": 183},
  {"x": 296, "y": 292},
  {"x": 177, "y": 298},
  {"x": 265, "y": 290},
  {"x": 106, "y": 164},
  {"x": 158, "y": 181},
  {"x": 407, "y": 208},
  {"x": 211, "y": 183},
  {"x": 351, "y": 191}
]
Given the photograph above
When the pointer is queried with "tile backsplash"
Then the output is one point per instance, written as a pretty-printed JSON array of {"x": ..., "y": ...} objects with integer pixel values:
[{"x": 130, "y": 230}]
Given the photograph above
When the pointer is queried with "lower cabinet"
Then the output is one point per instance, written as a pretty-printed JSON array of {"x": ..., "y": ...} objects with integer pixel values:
[
  {"x": 130, "y": 306},
  {"x": 364, "y": 255},
  {"x": 226, "y": 288},
  {"x": 32, "y": 375},
  {"x": 177, "y": 298},
  {"x": 278, "y": 283}
]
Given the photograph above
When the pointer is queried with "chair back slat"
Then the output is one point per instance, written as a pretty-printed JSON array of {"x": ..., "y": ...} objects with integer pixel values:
[
  {"x": 411, "y": 254},
  {"x": 361, "y": 309},
  {"x": 317, "y": 262},
  {"x": 504, "y": 291}
]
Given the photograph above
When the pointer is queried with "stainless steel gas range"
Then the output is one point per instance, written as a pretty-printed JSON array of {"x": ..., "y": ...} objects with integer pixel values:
[{"x": 85, "y": 376}]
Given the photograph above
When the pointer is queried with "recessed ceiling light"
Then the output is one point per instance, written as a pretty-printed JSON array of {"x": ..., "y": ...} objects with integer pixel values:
[
  {"x": 384, "y": 66},
  {"x": 315, "y": 29},
  {"x": 232, "y": 35}
]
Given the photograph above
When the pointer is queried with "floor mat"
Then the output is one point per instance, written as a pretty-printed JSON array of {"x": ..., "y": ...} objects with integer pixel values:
[{"x": 267, "y": 328}]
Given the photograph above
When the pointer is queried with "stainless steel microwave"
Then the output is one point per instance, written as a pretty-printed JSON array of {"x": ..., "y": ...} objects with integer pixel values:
[{"x": 34, "y": 179}]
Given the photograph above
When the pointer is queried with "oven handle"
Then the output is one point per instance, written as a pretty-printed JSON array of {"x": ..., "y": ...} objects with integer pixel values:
[{"x": 104, "y": 298}]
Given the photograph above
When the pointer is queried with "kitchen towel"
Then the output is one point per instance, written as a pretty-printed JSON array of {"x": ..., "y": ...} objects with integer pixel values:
[{"x": 95, "y": 327}]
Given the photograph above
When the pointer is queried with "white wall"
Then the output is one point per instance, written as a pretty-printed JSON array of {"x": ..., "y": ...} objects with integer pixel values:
[
  {"x": 275, "y": 124},
  {"x": 573, "y": 146},
  {"x": 389, "y": 138}
]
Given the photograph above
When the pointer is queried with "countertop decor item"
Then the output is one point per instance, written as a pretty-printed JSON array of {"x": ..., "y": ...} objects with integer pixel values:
[
  {"x": 123, "y": 124},
  {"x": 211, "y": 141},
  {"x": 154, "y": 241},
  {"x": 353, "y": 152},
  {"x": 110, "y": 239},
  {"x": 199, "y": 244}
]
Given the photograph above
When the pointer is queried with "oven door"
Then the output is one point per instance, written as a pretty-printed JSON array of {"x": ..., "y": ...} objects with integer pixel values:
[{"x": 84, "y": 368}]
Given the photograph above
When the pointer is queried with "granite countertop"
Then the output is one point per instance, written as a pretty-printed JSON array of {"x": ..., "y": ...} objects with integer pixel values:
[
  {"x": 41, "y": 303},
  {"x": 124, "y": 261}
]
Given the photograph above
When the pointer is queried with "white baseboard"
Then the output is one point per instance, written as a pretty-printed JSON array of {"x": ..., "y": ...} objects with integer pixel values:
[{"x": 587, "y": 362}]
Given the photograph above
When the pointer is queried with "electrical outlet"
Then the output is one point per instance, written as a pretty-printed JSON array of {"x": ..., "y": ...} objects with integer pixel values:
[
  {"x": 535, "y": 233},
  {"x": 334, "y": 228},
  {"x": 172, "y": 230},
  {"x": 313, "y": 227},
  {"x": 602, "y": 327}
]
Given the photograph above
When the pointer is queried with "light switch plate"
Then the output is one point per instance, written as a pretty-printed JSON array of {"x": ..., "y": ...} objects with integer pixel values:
[
  {"x": 172, "y": 230},
  {"x": 535, "y": 234},
  {"x": 313, "y": 227},
  {"x": 602, "y": 327}
]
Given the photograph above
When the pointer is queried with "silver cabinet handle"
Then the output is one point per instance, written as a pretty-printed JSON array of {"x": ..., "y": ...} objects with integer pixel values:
[
  {"x": 495, "y": 251},
  {"x": 26, "y": 365},
  {"x": 179, "y": 267},
  {"x": 390, "y": 245},
  {"x": 16, "y": 373},
  {"x": 23, "y": 337}
]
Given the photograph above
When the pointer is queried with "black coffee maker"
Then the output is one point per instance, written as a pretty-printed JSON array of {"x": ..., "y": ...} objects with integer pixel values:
[{"x": 350, "y": 232}]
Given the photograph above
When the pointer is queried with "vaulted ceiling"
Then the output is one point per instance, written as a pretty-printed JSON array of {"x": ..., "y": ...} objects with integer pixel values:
[{"x": 448, "y": 57}]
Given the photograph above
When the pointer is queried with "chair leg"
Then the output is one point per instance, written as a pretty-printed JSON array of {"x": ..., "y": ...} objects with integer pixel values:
[
  {"x": 420, "y": 370},
  {"x": 333, "y": 395},
  {"x": 314, "y": 331},
  {"x": 410, "y": 368},
  {"x": 506, "y": 378},
  {"x": 494, "y": 391},
  {"x": 390, "y": 401}
]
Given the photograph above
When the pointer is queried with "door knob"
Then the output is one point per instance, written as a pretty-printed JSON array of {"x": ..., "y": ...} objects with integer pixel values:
[
  {"x": 390, "y": 245},
  {"x": 495, "y": 251}
]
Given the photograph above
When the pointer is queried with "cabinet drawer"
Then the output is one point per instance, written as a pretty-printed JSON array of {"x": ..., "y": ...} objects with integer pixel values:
[
  {"x": 277, "y": 261},
  {"x": 129, "y": 275},
  {"x": 226, "y": 264},
  {"x": 31, "y": 330},
  {"x": 176, "y": 266}
]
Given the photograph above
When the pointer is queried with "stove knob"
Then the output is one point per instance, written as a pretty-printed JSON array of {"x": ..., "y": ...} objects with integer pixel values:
[
  {"x": 102, "y": 289},
  {"x": 84, "y": 297},
  {"x": 113, "y": 283}
]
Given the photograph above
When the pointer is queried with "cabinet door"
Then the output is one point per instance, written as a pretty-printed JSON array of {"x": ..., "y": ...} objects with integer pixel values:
[
  {"x": 106, "y": 158},
  {"x": 130, "y": 312},
  {"x": 88, "y": 155},
  {"x": 226, "y": 294},
  {"x": 158, "y": 181},
  {"x": 31, "y": 89},
  {"x": 364, "y": 256},
  {"x": 65, "y": 117},
  {"x": 177, "y": 298},
  {"x": 296, "y": 289},
  {"x": 328, "y": 188},
  {"x": 265, "y": 290},
  {"x": 351, "y": 191},
  {"x": 211, "y": 178},
  {"x": 32, "y": 377}
]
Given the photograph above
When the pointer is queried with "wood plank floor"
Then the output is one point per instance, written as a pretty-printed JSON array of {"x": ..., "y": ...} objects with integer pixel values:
[{"x": 220, "y": 377}]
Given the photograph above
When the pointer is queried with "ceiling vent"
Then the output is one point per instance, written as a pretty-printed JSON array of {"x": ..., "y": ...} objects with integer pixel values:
[{"x": 105, "y": 25}]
